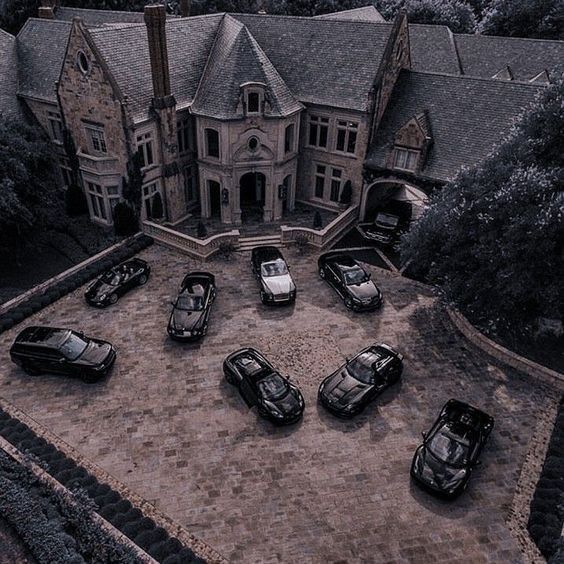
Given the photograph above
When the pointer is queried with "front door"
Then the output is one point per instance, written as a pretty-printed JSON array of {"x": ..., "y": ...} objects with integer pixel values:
[{"x": 252, "y": 193}]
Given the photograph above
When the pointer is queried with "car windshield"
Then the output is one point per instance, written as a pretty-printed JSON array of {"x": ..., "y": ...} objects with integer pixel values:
[
  {"x": 249, "y": 364},
  {"x": 363, "y": 366},
  {"x": 387, "y": 219},
  {"x": 355, "y": 276},
  {"x": 188, "y": 302},
  {"x": 449, "y": 447},
  {"x": 73, "y": 346},
  {"x": 111, "y": 278},
  {"x": 272, "y": 387},
  {"x": 274, "y": 268}
]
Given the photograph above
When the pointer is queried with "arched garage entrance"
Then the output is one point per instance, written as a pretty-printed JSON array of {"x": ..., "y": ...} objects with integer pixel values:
[{"x": 404, "y": 200}]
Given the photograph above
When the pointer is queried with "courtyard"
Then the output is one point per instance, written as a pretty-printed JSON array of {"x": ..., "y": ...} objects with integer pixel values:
[{"x": 167, "y": 424}]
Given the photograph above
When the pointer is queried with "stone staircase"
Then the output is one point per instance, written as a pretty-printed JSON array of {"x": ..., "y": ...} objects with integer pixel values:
[{"x": 246, "y": 244}]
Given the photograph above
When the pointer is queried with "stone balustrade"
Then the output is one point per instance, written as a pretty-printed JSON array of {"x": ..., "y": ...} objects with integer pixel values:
[{"x": 98, "y": 165}]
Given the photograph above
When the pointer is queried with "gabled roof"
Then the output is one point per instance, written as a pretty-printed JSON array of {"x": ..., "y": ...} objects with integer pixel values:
[
  {"x": 9, "y": 105},
  {"x": 433, "y": 49},
  {"x": 365, "y": 14},
  {"x": 236, "y": 59},
  {"x": 126, "y": 52},
  {"x": 41, "y": 46},
  {"x": 469, "y": 117},
  {"x": 485, "y": 55},
  {"x": 327, "y": 62}
]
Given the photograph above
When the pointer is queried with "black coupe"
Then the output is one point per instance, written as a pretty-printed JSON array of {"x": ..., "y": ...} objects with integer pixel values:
[
  {"x": 451, "y": 449},
  {"x": 273, "y": 275},
  {"x": 191, "y": 309},
  {"x": 62, "y": 351},
  {"x": 350, "y": 281},
  {"x": 361, "y": 379},
  {"x": 117, "y": 281},
  {"x": 261, "y": 385}
]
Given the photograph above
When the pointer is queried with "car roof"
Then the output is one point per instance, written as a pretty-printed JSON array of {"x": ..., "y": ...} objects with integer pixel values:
[
  {"x": 50, "y": 336},
  {"x": 343, "y": 261}
]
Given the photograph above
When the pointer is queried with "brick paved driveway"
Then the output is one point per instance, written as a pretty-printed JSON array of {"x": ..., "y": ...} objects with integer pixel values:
[{"x": 167, "y": 425}]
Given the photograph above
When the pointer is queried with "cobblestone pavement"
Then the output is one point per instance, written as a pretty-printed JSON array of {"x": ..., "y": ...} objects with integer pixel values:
[{"x": 166, "y": 424}]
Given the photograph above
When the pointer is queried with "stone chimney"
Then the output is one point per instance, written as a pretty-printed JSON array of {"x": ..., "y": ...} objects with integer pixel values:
[
  {"x": 47, "y": 9},
  {"x": 155, "y": 20},
  {"x": 185, "y": 6}
]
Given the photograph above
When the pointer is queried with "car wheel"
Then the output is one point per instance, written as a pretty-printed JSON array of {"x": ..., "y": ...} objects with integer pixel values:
[
  {"x": 205, "y": 330},
  {"x": 322, "y": 273},
  {"x": 113, "y": 298},
  {"x": 142, "y": 279},
  {"x": 348, "y": 303},
  {"x": 263, "y": 297},
  {"x": 29, "y": 369}
]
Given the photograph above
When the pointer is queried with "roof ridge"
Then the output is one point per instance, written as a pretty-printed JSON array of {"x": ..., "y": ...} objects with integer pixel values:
[
  {"x": 3, "y": 31},
  {"x": 97, "y": 10},
  {"x": 307, "y": 18},
  {"x": 347, "y": 11},
  {"x": 481, "y": 35},
  {"x": 478, "y": 78}
]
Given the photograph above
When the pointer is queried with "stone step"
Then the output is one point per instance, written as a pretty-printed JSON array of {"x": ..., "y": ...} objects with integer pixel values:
[{"x": 249, "y": 243}]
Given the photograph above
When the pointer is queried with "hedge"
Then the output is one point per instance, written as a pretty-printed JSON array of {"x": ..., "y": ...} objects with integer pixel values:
[
  {"x": 35, "y": 303},
  {"x": 547, "y": 507},
  {"x": 121, "y": 512}
]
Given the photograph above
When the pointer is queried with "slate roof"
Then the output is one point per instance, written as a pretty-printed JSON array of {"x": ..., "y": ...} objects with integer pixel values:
[
  {"x": 433, "y": 49},
  {"x": 468, "y": 118},
  {"x": 126, "y": 52},
  {"x": 365, "y": 14},
  {"x": 237, "y": 58},
  {"x": 97, "y": 17},
  {"x": 9, "y": 105},
  {"x": 327, "y": 62},
  {"x": 41, "y": 46},
  {"x": 486, "y": 55}
]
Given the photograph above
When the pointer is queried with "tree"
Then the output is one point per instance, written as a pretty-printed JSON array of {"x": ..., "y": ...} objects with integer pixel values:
[
  {"x": 157, "y": 206},
  {"x": 132, "y": 187},
  {"x": 126, "y": 220},
  {"x": 524, "y": 18},
  {"x": 346, "y": 194},
  {"x": 28, "y": 190},
  {"x": 456, "y": 14},
  {"x": 14, "y": 13},
  {"x": 492, "y": 238},
  {"x": 75, "y": 201}
]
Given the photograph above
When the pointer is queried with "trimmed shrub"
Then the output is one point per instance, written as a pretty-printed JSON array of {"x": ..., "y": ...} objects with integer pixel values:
[
  {"x": 201, "y": 230},
  {"x": 317, "y": 220},
  {"x": 157, "y": 206},
  {"x": 126, "y": 221},
  {"x": 346, "y": 194}
]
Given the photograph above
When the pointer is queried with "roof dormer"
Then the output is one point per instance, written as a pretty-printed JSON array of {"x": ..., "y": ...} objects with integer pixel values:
[
  {"x": 504, "y": 74},
  {"x": 254, "y": 99},
  {"x": 411, "y": 144}
]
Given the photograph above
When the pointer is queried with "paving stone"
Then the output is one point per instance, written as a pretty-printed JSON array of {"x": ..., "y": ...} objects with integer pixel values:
[{"x": 167, "y": 424}]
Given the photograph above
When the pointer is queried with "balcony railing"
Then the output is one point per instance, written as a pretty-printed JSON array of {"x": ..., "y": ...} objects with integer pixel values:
[
  {"x": 98, "y": 165},
  {"x": 197, "y": 248},
  {"x": 320, "y": 238}
]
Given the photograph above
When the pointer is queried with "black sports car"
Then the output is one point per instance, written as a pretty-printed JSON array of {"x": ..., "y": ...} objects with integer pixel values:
[
  {"x": 117, "y": 281},
  {"x": 350, "y": 281},
  {"x": 385, "y": 229},
  {"x": 451, "y": 449},
  {"x": 261, "y": 385},
  {"x": 273, "y": 275},
  {"x": 62, "y": 351},
  {"x": 361, "y": 379},
  {"x": 191, "y": 308}
]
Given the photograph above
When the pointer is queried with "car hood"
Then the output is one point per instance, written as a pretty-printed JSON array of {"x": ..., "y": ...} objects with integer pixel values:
[
  {"x": 98, "y": 289},
  {"x": 185, "y": 320},
  {"x": 364, "y": 291},
  {"x": 95, "y": 353},
  {"x": 342, "y": 389},
  {"x": 279, "y": 284},
  {"x": 436, "y": 473},
  {"x": 290, "y": 403}
]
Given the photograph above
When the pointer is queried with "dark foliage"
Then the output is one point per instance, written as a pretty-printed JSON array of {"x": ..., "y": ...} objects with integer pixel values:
[
  {"x": 157, "y": 206},
  {"x": 132, "y": 186},
  {"x": 201, "y": 230},
  {"x": 346, "y": 193},
  {"x": 317, "y": 221},
  {"x": 75, "y": 201},
  {"x": 126, "y": 221},
  {"x": 502, "y": 221},
  {"x": 14, "y": 13}
]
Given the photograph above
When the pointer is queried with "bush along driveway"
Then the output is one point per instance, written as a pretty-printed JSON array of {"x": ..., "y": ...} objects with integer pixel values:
[
  {"x": 547, "y": 507},
  {"x": 20, "y": 499}
]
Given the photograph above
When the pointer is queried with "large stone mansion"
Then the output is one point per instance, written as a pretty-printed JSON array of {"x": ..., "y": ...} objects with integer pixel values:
[{"x": 231, "y": 110}]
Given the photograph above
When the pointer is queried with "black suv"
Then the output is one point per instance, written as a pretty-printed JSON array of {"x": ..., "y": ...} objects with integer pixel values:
[
  {"x": 62, "y": 351},
  {"x": 350, "y": 281}
]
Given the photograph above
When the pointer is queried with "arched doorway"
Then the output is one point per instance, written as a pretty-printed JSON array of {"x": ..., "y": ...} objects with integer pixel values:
[
  {"x": 404, "y": 200},
  {"x": 252, "y": 188}
]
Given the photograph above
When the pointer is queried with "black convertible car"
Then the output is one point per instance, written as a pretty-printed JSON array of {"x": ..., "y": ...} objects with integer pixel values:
[
  {"x": 117, "y": 281},
  {"x": 350, "y": 281},
  {"x": 361, "y": 379},
  {"x": 451, "y": 449},
  {"x": 62, "y": 351},
  {"x": 261, "y": 385},
  {"x": 191, "y": 308},
  {"x": 273, "y": 275}
]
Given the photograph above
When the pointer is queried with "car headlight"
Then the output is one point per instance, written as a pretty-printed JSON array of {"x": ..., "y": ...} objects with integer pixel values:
[
  {"x": 356, "y": 301},
  {"x": 103, "y": 297},
  {"x": 267, "y": 291},
  {"x": 273, "y": 410}
]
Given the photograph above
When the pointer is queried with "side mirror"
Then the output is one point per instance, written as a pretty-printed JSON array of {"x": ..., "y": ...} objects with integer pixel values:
[
  {"x": 424, "y": 435},
  {"x": 171, "y": 303},
  {"x": 478, "y": 463}
]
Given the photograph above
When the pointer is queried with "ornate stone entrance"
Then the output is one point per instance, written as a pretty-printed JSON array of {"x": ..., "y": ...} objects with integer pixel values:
[{"x": 252, "y": 193}]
